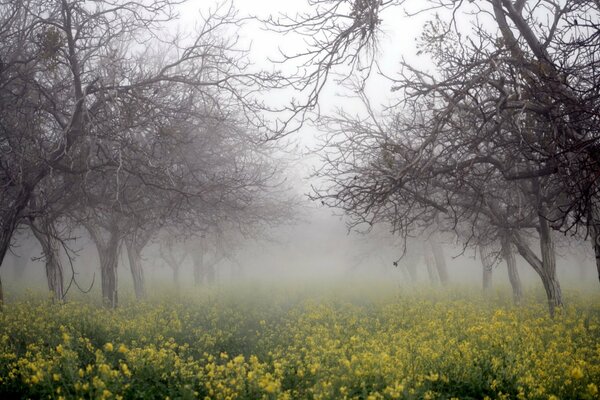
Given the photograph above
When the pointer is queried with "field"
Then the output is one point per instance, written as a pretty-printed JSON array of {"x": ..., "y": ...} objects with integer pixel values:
[{"x": 249, "y": 342}]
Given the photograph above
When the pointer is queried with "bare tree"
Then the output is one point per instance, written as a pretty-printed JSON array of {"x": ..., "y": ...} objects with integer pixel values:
[
  {"x": 524, "y": 64},
  {"x": 79, "y": 79}
]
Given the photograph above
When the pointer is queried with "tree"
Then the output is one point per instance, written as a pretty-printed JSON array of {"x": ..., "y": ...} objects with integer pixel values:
[
  {"x": 527, "y": 62},
  {"x": 79, "y": 79},
  {"x": 480, "y": 118},
  {"x": 396, "y": 171}
]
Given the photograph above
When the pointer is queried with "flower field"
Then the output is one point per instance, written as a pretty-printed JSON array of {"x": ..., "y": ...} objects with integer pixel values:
[{"x": 269, "y": 343}]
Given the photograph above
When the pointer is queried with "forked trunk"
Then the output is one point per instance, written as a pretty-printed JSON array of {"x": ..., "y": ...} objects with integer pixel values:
[
  {"x": 45, "y": 232},
  {"x": 546, "y": 272},
  {"x": 513, "y": 272}
]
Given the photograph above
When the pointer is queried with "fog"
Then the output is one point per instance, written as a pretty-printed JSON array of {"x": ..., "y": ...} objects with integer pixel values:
[
  {"x": 293, "y": 141},
  {"x": 318, "y": 250}
]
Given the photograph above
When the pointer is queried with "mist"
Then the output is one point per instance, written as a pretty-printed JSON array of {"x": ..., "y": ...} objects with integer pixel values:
[{"x": 307, "y": 199}]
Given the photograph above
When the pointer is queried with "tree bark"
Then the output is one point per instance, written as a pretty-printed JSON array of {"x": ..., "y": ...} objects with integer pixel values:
[
  {"x": 135, "y": 265},
  {"x": 546, "y": 272},
  {"x": 108, "y": 252},
  {"x": 109, "y": 260},
  {"x": 45, "y": 233},
  {"x": 513, "y": 272},
  {"x": 594, "y": 227},
  {"x": 9, "y": 224},
  {"x": 549, "y": 262}
]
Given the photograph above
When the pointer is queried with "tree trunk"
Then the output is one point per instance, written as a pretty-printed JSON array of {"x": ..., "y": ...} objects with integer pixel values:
[
  {"x": 429, "y": 262},
  {"x": 108, "y": 252},
  {"x": 546, "y": 273},
  {"x": 175, "y": 269},
  {"x": 487, "y": 264},
  {"x": 513, "y": 272},
  {"x": 440, "y": 261},
  {"x": 549, "y": 262},
  {"x": 594, "y": 227},
  {"x": 45, "y": 233},
  {"x": 8, "y": 226},
  {"x": 198, "y": 260},
  {"x": 135, "y": 265},
  {"x": 109, "y": 260}
]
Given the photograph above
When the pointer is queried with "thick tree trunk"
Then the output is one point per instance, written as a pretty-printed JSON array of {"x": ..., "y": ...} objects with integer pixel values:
[
  {"x": 513, "y": 272},
  {"x": 135, "y": 265},
  {"x": 45, "y": 233},
  {"x": 487, "y": 278},
  {"x": 549, "y": 262},
  {"x": 546, "y": 272},
  {"x": 108, "y": 252},
  {"x": 8, "y": 226},
  {"x": 109, "y": 260}
]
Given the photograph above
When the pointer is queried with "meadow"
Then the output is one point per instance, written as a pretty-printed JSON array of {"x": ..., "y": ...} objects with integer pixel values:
[{"x": 268, "y": 342}]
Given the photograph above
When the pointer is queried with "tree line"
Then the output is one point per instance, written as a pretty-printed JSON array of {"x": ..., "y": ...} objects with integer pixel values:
[
  {"x": 491, "y": 137},
  {"x": 115, "y": 122},
  {"x": 112, "y": 122}
]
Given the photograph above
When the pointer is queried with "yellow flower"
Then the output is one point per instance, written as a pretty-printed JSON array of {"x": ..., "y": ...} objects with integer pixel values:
[
  {"x": 56, "y": 377},
  {"x": 108, "y": 346},
  {"x": 122, "y": 348},
  {"x": 592, "y": 389},
  {"x": 576, "y": 373},
  {"x": 125, "y": 370}
]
